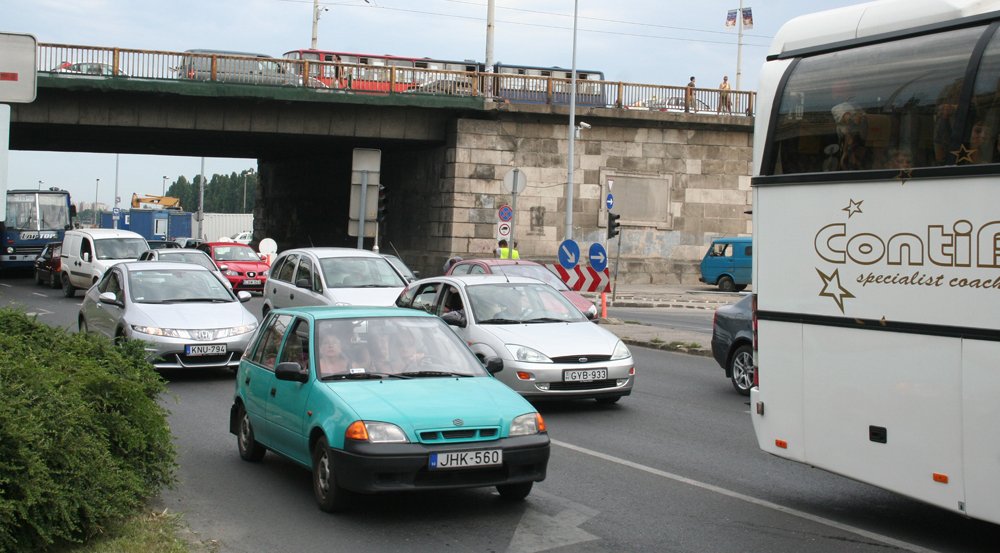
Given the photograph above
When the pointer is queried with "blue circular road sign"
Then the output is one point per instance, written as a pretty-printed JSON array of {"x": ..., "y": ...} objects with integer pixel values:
[
  {"x": 569, "y": 254},
  {"x": 598, "y": 257},
  {"x": 610, "y": 202},
  {"x": 505, "y": 213}
]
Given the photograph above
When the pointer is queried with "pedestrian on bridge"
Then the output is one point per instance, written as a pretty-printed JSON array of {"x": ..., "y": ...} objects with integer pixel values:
[{"x": 689, "y": 97}]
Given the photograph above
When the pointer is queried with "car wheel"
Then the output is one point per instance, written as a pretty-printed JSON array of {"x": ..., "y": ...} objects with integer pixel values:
[
  {"x": 741, "y": 369},
  {"x": 726, "y": 284},
  {"x": 329, "y": 496},
  {"x": 515, "y": 492},
  {"x": 250, "y": 450},
  {"x": 83, "y": 325},
  {"x": 263, "y": 313},
  {"x": 741, "y": 287},
  {"x": 608, "y": 400},
  {"x": 68, "y": 290},
  {"x": 53, "y": 280},
  {"x": 120, "y": 337},
  {"x": 38, "y": 277}
]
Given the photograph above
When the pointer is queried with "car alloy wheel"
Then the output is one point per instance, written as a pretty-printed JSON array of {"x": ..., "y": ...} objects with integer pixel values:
[
  {"x": 741, "y": 368},
  {"x": 250, "y": 450}
]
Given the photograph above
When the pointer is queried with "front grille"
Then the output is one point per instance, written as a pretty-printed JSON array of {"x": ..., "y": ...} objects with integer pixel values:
[
  {"x": 593, "y": 385},
  {"x": 466, "y": 434},
  {"x": 29, "y": 250},
  {"x": 574, "y": 359},
  {"x": 200, "y": 360}
]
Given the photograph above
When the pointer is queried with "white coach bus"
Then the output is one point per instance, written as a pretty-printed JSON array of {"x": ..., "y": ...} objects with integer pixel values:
[{"x": 876, "y": 229}]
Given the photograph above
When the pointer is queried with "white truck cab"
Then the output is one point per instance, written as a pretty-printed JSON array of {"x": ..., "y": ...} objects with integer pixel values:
[{"x": 87, "y": 253}]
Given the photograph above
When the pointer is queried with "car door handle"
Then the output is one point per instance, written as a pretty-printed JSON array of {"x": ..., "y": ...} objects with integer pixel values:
[
  {"x": 247, "y": 380},
  {"x": 272, "y": 392},
  {"x": 291, "y": 296}
]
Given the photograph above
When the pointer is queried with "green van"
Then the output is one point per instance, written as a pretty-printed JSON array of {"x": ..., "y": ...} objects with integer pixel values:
[{"x": 728, "y": 263}]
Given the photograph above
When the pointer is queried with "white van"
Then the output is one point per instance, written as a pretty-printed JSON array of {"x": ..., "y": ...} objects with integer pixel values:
[{"x": 87, "y": 253}]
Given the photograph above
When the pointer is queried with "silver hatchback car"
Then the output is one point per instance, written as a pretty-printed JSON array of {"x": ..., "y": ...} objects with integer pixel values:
[
  {"x": 185, "y": 316},
  {"x": 331, "y": 276},
  {"x": 550, "y": 350}
]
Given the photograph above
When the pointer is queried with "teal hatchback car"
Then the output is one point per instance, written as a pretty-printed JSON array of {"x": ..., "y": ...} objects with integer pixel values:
[{"x": 381, "y": 399}]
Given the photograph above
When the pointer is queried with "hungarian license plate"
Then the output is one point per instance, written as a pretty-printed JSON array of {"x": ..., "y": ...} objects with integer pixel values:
[
  {"x": 584, "y": 375},
  {"x": 205, "y": 349},
  {"x": 466, "y": 459},
  {"x": 251, "y": 282}
]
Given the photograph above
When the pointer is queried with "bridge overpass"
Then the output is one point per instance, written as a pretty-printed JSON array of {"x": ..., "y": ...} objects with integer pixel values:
[{"x": 678, "y": 178}]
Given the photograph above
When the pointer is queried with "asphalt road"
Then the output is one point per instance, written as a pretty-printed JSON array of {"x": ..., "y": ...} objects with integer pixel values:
[{"x": 674, "y": 467}]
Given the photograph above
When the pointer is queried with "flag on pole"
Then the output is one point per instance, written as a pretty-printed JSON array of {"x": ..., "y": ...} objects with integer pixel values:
[
  {"x": 747, "y": 18},
  {"x": 731, "y": 18}
]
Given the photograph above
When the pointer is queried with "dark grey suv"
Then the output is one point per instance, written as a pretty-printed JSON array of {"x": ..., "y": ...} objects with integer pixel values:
[{"x": 732, "y": 342}]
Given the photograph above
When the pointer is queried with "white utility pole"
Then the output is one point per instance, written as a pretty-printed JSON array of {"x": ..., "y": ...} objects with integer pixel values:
[
  {"x": 572, "y": 134},
  {"x": 115, "y": 212},
  {"x": 201, "y": 202}
]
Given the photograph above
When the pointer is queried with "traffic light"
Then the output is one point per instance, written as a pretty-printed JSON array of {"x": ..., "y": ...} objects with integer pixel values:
[
  {"x": 613, "y": 225},
  {"x": 381, "y": 203}
]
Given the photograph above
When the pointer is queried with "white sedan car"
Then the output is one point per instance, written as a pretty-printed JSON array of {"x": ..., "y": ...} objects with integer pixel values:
[
  {"x": 550, "y": 350},
  {"x": 185, "y": 316}
]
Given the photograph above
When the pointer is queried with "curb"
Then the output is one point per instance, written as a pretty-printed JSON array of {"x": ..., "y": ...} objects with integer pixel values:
[{"x": 678, "y": 347}]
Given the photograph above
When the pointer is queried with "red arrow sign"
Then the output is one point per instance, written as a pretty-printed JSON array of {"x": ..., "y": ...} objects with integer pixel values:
[{"x": 583, "y": 279}]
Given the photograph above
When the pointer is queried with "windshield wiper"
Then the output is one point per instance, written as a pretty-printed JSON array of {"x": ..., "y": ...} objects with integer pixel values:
[
  {"x": 360, "y": 376},
  {"x": 433, "y": 373},
  {"x": 376, "y": 286},
  {"x": 499, "y": 322},
  {"x": 544, "y": 320},
  {"x": 192, "y": 300}
]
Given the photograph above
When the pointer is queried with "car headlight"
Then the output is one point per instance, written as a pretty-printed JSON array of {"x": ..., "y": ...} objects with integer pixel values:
[
  {"x": 621, "y": 351},
  {"x": 235, "y": 330},
  {"x": 376, "y": 432},
  {"x": 526, "y": 354},
  {"x": 157, "y": 331},
  {"x": 527, "y": 424},
  {"x": 10, "y": 249},
  {"x": 230, "y": 272},
  {"x": 592, "y": 311},
  {"x": 263, "y": 273}
]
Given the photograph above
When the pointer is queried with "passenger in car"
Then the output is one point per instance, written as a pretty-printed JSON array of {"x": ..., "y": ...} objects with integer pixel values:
[{"x": 332, "y": 359}]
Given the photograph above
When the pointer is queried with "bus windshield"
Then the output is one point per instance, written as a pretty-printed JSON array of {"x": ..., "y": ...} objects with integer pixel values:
[{"x": 32, "y": 211}]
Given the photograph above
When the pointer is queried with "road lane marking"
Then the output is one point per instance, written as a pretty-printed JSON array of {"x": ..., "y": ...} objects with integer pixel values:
[
  {"x": 40, "y": 294},
  {"x": 749, "y": 499},
  {"x": 538, "y": 531}
]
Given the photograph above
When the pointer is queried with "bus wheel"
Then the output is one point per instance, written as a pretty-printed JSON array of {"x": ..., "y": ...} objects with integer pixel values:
[{"x": 726, "y": 284}]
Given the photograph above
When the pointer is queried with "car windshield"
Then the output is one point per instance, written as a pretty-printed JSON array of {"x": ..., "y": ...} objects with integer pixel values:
[
  {"x": 391, "y": 347},
  {"x": 359, "y": 272},
  {"x": 235, "y": 253},
  {"x": 176, "y": 286},
  {"x": 401, "y": 267},
  {"x": 514, "y": 303},
  {"x": 532, "y": 271},
  {"x": 120, "y": 248},
  {"x": 197, "y": 258}
]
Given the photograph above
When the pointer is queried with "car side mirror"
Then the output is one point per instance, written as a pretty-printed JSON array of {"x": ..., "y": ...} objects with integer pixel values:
[
  {"x": 454, "y": 318},
  {"x": 493, "y": 365},
  {"x": 303, "y": 283},
  {"x": 223, "y": 268},
  {"x": 85, "y": 257},
  {"x": 290, "y": 370},
  {"x": 110, "y": 298},
  {"x": 244, "y": 296}
]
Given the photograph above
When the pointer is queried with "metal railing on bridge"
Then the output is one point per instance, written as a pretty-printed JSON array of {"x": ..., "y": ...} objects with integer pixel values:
[{"x": 203, "y": 65}]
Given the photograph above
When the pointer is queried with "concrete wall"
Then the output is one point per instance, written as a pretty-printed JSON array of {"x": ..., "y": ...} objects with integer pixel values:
[{"x": 674, "y": 187}]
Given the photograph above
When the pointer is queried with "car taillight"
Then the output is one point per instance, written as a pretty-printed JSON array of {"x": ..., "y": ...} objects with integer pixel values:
[{"x": 756, "y": 366}]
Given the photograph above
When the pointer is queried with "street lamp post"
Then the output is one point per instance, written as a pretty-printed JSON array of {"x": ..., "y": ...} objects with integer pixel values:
[
  {"x": 572, "y": 134},
  {"x": 164, "y": 191},
  {"x": 40, "y": 183},
  {"x": 97, "y": 188}
]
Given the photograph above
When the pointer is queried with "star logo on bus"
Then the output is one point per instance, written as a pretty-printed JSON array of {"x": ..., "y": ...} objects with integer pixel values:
[
  {"x": 852, "y": 208},
  {"x": 833, "y": 289},
  {"x": 963, "y": 155}
]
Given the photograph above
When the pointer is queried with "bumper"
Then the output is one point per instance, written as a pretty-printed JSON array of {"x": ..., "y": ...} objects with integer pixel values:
[
  {"x": 373, "y": 468},
  {"x": 547, "y": 380},
  {"x": 170, "y": 353},
  {"x": 238, "y": 285}
]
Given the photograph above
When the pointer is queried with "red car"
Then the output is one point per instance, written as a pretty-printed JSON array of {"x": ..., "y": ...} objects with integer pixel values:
[
  {"x": 239, "y": 263},
  {"x": 524, "y": 268}
]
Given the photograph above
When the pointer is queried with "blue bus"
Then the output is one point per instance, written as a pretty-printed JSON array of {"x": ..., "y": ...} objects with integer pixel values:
[{"x": 34, "y": 217}]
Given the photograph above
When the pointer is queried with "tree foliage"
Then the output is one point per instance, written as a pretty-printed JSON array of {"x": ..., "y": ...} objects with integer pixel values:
[{"x": 223, "y": 193}]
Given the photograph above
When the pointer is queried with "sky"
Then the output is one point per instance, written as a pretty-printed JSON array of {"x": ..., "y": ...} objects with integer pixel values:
[{"x": 639, "y": 41}]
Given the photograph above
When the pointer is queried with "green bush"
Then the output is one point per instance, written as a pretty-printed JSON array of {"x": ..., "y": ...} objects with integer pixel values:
[{"x": 83, "y": 441}]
